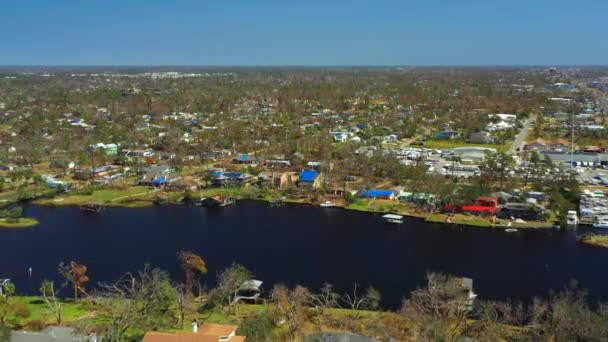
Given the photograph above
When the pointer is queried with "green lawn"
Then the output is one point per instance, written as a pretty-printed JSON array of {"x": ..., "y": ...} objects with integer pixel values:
[
  {"x": 466, "y": 220},
  {"x": 37, "y": 310},
  {"x": 104, "y": 196},
  {"x": 447, "y": 144}
]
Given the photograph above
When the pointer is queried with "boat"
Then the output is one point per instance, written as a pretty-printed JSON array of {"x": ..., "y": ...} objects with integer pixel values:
[
  {"x": 392, "y": 218},
  {"x": 216, "y": 201},
  {"x": 201, "y": 202},
  {"x": 601, "y": 222},
  {"x": 572, "y": 218},
  {"x": 276, "y": 202},
  {"x": 327, "y": 204},
  {"x": 510, "y": 230}
]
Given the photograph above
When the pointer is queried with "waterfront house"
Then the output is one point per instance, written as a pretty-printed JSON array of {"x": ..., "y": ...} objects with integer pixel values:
[
  {"x": 158, "y": 175},
  {"x": 96, "y": 173},
  {"x": 483, "y": 205},
  {"x": 378, "y": 194},
  {"x": 183, "y": 183},
  {"x": 207, "y": 332},
  {"x": 269, "y": 178},
  {"x": 310, "y": 179},
  {"x": 226, "y": 179},
  {"x": 525, "y": 211}
]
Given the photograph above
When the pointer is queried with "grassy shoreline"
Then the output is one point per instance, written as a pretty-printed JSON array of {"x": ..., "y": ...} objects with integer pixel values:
[
  {"x": 596, "y": 240},
  {"x": 143, "y": 197},
  {"x": 23, "y": 222}
]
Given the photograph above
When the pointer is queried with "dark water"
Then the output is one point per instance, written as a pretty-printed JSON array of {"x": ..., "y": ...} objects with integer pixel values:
[{"x": 301, "y": 245}]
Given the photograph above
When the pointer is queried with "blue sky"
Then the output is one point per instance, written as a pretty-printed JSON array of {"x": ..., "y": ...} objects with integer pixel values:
[{"x": 311, "y": 32}]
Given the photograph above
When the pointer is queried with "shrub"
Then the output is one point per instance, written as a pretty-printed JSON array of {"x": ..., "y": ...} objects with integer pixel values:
[
  {"x": 21, "y": 310},
  {"x": 36, "y": 324}
]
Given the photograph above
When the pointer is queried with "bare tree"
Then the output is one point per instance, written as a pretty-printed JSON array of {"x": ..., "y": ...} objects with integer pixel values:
[
  {"x": 324, "y": 300},
  {"x": 291, "y": 307},
  {"x": 356, "y": 301},
  {"x": 49, "y": 295}
]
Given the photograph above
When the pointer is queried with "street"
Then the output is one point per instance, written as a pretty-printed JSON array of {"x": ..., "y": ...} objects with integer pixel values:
[{"x": 520, "y": 139}]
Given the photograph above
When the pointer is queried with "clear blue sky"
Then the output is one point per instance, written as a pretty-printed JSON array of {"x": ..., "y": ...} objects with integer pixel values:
[{"x": 303, "y": 32}]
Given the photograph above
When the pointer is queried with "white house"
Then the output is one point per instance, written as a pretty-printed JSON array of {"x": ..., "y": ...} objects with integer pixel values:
[
  {"x": 511, "y": 118},
  {"x": 501, "y": 126}
]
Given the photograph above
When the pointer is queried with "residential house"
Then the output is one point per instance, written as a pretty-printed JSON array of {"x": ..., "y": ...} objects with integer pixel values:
[
  {"x": 223, "y": 179},
  {"x": 246, "y": 159},
  {"x": 481, "y": 138},
  {"x": 277, "y": 163},
  {"x": 310, "y": 179},
  {"x": 184, "y": 183},
  {"x": 509, "y": 118},
  {"x": 96, "y": 173},
  {"x": 206, "y": 333},
  {"x": 378, "y": 194},
  {"x": 269, "y": 178},
  {"x": 500, "y": 126},
  {"x": 525, "y": 211},
  {"x": 158, "y": 175},
  {"x": 107, "y": 149},
  {"x": 536, "y": 145},
  {"x": 557, "y": 145},
  {"x": 447, "y": 135}
]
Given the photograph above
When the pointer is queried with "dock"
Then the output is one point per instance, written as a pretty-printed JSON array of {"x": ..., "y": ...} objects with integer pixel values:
[{"x": 92, "y": 207}]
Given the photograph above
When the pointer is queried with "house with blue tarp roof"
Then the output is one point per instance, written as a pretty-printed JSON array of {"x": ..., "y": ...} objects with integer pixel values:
[
  {"x": 310, "y": 179},
  {"x": 246, "y": 159},
  {"x": 378, "y": 194}
]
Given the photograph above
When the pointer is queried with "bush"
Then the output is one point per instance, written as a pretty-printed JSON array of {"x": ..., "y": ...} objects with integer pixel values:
[
  {"x": 21, "y": 310},
  {"x": 36, "y": 324},
  {"x": 257, "y": 328}
]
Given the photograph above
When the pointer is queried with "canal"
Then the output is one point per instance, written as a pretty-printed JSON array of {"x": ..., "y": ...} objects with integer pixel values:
[{"x": 305, "y": 245}]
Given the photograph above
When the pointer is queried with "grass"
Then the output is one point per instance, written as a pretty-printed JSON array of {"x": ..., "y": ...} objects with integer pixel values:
[
  {"x": 38, "y": 311},
  {"x": 23, "y": 222},
  {"x": 110, "y": 197},
  {"x": 467, "y": 220},
  {"x": 447, "y": 144}
]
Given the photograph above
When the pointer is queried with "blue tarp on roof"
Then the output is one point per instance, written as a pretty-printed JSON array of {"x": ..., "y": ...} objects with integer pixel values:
[
  {"x": 243, "y": 158},
  {"x": 216, "y": 173},
  {"x": 308, "y": 176},
  {"x": 160, "y": 180},
  {"x": 376, "y": 193}
]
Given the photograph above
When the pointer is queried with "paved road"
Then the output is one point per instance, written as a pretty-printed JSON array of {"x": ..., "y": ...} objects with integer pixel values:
[{"x": 520, "y": 139}]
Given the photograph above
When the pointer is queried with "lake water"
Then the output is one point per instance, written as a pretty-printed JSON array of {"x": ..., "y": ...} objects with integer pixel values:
[{"x": 305, "y": 245}]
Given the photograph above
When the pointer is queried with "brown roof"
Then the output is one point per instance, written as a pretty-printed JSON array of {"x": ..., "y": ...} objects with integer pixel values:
[
  {"x": 537, "y": 141},
  {"x": 217, "y": 329},
  {"x": 559, "y": 141},
  {"x": 180, "y": 337},
  {"x": 237, "y": 339}
]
